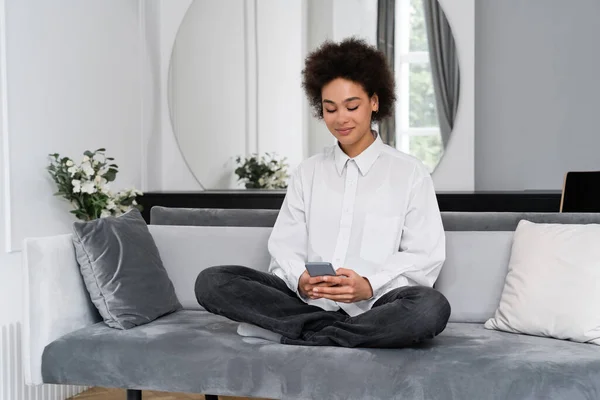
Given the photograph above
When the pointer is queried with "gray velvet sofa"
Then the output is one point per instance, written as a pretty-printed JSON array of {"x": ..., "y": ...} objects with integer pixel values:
[{"x": 191, "y": 350}]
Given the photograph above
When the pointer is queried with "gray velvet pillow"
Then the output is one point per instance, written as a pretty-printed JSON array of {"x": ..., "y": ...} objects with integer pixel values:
[{"x": 122, "y": 270}]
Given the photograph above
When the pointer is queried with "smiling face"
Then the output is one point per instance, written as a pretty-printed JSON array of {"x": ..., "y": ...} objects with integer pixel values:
[{"x": 347, "y": 111}]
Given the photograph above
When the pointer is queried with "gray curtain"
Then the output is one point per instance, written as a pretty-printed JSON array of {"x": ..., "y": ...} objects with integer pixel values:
[
  {"x": 444, "y": 66},
  {"x": 385, "y": 43}
]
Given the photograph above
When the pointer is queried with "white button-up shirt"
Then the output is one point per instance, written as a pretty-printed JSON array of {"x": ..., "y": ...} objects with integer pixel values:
[{"x": 376, "y": 214}]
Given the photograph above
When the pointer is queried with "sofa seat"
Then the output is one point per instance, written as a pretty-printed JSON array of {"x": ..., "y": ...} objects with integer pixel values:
[{"x": 195, "y": 351}]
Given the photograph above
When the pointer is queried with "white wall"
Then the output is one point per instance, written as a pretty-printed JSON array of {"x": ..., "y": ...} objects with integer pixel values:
[
  {"x": 537, "y": 92},
  {"x": 77, "y": 78},
  {"x": 154, "y": 140},
  {"x": 281, "y": 43},
  {"x": 10, "y": 288},
  {"x": 9, "y": 276},
  {"x": 73, "y": 85}
]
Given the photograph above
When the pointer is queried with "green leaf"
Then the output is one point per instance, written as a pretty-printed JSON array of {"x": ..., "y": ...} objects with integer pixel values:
[
  {"x": 110, "y": 175},
  {"x": 88, "y": 153}
]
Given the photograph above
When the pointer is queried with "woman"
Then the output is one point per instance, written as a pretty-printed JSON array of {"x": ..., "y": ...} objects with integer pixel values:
[{"x": 362, "y": 205}]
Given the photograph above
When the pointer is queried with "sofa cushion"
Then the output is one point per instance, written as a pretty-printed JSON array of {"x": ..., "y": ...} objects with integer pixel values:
[
  {"x": 195, "y": 351},
  {"x": 188, "y": 250},
  {"x": 552, "y": 283},
  {"x": 473, "y": 274},
  {"x": 122, "y": 270}
]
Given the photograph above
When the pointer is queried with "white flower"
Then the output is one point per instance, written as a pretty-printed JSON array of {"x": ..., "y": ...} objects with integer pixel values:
[
  {"x": 86, "y": 159},
  {"x": 104, "y": 189},
  {"x": 87, "y": 169},
  {"x": 261, "y": 181},
  {"x": 100, "y": 182},
  {"x": 88, "y": 187},
  {"x": 134, "y": 202},
  {"x": 105, "y": 213},
  {"x": 72, "y": 170},
  {"x": 111, "y": 205},
  {"x": 102, "y": 171},
  {"x": 69, "y": 163},
  {"x": 76, "y": 185}
]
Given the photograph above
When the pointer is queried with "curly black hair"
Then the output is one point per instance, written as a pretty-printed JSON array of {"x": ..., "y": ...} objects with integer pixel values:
[{"x": 355, "y": 60}]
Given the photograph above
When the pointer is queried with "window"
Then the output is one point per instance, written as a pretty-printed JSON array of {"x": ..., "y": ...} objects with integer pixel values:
[{"x": 417, "y": 127}]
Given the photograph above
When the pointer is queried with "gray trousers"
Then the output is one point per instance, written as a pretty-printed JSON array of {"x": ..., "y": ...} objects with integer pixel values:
[{"x": 402, "y": 317}]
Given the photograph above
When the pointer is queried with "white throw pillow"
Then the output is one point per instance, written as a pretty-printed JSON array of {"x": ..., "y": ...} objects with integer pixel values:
[{"x": 552, "y": 287}]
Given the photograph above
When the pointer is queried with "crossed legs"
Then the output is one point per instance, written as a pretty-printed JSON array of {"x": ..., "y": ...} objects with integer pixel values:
[{"x": 400, "y": 318}]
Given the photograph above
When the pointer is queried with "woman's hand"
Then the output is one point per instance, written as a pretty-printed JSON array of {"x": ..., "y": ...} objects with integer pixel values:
[
  {"x": 346, "y": 287},
  {"x": 306, "y": 284}
]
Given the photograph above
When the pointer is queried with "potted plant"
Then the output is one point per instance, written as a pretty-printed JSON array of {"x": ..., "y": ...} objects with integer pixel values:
[
  {"x": 85, "y": 185},
  {"x": 264, "y": 172}
]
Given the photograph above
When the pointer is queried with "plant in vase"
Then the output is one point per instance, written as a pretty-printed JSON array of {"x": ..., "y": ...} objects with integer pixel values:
[
  {"x": 85, "y": 185},
  {"x": 264, "y": 172}
]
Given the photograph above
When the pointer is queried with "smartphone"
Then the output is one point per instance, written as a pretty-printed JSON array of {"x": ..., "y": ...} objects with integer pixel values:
[{"x": 320, "y": 268}]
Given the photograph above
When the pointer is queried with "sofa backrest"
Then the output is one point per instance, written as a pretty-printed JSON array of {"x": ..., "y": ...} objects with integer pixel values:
[
  {"x": 187, "y": 250},
  {"x": 478, "y": 248}
]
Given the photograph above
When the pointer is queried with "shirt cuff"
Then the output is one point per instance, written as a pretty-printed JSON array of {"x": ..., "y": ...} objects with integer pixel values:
[
  {"x": 294, "y": 269},
  {"x": 378, "y": 282},
  {"x": 382, "y": 282}
]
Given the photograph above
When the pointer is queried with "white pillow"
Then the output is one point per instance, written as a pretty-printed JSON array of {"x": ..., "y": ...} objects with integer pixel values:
[{"x": 552, "y": 287}]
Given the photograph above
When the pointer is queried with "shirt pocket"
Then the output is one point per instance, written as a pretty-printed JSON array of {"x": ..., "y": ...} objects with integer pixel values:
[{"x": 379, "y": 236}]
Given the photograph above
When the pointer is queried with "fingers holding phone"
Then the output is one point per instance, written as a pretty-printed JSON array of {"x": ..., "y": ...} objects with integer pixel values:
[
  {"x": 317, "y": 274},
  {"x": 351, "y": 288},
  {"x": 306, "y": 284}
]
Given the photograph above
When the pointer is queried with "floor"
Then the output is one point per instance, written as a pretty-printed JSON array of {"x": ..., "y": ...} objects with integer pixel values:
[{"x": 119, "y": 394}]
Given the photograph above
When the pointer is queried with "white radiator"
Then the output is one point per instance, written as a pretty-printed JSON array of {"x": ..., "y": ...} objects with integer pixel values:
[{"x": 12, "y": 385}]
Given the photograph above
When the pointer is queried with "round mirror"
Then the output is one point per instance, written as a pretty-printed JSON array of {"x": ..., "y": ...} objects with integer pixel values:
[{"x": 235, "y": 81}]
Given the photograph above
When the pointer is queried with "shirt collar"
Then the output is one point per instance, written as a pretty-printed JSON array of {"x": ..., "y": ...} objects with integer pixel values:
[{"x": 364, "y": 160}]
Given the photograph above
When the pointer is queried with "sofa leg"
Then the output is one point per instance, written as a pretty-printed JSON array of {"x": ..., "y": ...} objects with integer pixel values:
[{"x": 134, "y": 394}]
